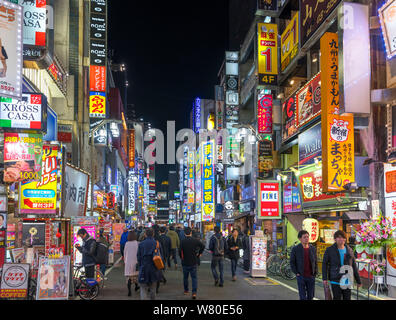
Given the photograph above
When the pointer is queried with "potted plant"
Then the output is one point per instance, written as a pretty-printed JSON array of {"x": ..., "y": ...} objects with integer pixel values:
[
  {"x": 375, "y": 234},
  {"x": 378, "y": 271}
]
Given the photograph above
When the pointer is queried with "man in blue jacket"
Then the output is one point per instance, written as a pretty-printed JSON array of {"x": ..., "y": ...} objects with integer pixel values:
[
  {"x": 123, "y": 241},
  {"x": 87, "y": 250},
  {"x": 304, "y": 264}
]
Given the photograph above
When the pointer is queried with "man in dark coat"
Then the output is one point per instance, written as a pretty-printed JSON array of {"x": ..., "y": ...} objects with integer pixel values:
[
  {"x": 246, "y": 251},
  {"x": 217, "y": 245},
  {"x": 234, "y": 243},
  {"x": 87, "y": 250},
  {"x": 149, "y": 275},
  {"x": 304, "y": 264},
  {"x": 335, "y": 257},
  {"x": 190, "y": 250},
  {"x": 166, "y": 244}
]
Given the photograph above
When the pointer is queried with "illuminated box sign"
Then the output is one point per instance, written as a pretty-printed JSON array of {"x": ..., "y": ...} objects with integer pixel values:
[
  {"x": 289, "y": 127},
  {"x": 338, "y": 161},
  {"x": 34, "y": 22},
  {"x": 11, "y": 22},
  {"x": 40, "y": 196},
  {"x": 269, "y": 200},
  {"x": 197, "y": 115},
  {"x": 219, "y": 115},
  {"x": 289, "y": 42},
  {"x": 309, "y": 101},
  {"x": 65, "y": 133},
  {"x": 387, "y": 18},
  {"x": 97, "y": 104},
  {"x": 132, "y": 148},
  {"x": 267, "y": 53},
  {"x": 264, "y": 113},
  {"x": 313, "y": 14},
  {"x": 310, "y": 145},
  {"x": 98, "y": 33},
  {"x": 27, "y": 113},
  {"x": 291, "y": 194},
  {"x": 208, "y": 182},
  {"x": 265, "y": 159},
  {"x": 97, "y": 78},
  {"x": 191, "y": 176}
]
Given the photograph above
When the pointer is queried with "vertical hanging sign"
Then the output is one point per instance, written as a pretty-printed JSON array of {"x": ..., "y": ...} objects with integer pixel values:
[
  {"x": 338, "y": 155},
  {"x": 208, "y": 183},
  {"x": 267, "y": 53},
  {"x": 264, "y": 113}
]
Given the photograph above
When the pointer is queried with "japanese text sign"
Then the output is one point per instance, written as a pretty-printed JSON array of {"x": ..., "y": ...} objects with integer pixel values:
[
  {"x": 264, "y": 113},
  {"x": 97, "y": 78},
  {"x": 289, "y": 42},
  {"x": 14, "y": 280},
  {"x": 76, "y": 192},
  {"x": 269, "y": 199},
  {"x": 312, "y": 226},
  {"x": 131, "y": 148},
  {"x": 208, "y": 181},
  {"x": 308, "y": 101},
  {"x": 267, "y": 53},
  {"x": 97, "y": 105},
  {"x": 289, "y": 127}
]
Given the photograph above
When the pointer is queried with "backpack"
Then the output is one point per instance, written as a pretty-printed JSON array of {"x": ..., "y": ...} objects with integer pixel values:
[
  {"x": 219, "y": 247},
  {"x": 101, "y": 253}
]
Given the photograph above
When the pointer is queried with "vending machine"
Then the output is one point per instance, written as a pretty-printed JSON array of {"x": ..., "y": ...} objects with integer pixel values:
[{"x": 258, "y": 255}]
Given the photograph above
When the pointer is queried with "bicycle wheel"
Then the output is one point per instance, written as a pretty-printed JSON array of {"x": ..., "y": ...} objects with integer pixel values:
[
  {"x": 87, "y": 292},
  {"x": 278, "y": 268},
  {"x": 289, "y": 274},
  {"x": 272, "y": 263},
  {"x": 283, "y": 268}
]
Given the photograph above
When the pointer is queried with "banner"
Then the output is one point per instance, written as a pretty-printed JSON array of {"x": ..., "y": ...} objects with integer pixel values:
[
  {"x": 40, "y": 196},
  {"x": 76, "y": 192},
  {"x": 264, "y": 113},
  {"x": 267, "y": 53},
  {"x": 208, "y": 182},
  {"x": 14, "y": 280},
  {"x": 53, "y": 279},
  {"x": 11, "y": 28},
  {"x": 309, "y": 101},
  {"x": 22, "y": 156},
  {"x": 338, "y": 149},
  {"x": 289, "y": 42}
]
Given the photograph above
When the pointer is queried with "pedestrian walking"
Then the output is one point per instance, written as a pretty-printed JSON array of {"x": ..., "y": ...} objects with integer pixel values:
[
  {"x": 148, "y": 273},
  {"x": 175, "y": 244},
  {"x": 180, "y": 233},
  {"x": 234, "y": 243},
  {"x": 131, "y": 269},
  {"x": 336, "y": 256},
  {"x": 246, "y": 251},
  {"x": 102, "y": 241},
  {"x": 166, "y": 245},
  {"x": 123, "y": 241},
  {"x": 190, "y": 249},
  {"x": 304, "y": 264},
  {"x": 217, "y": 245},
  {"x": 87, "y": 250}
]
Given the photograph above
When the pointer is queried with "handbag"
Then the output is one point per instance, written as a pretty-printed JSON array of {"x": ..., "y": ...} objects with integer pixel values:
[
  {"x": 327, "y": 292},
  {"x": 159, "y": 264},
  {"x": 4, "y": 53}
]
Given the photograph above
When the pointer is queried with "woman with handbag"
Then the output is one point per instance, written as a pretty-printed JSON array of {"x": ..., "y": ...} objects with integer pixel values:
[
  {"x": 131, "y": 270},
  {"x": 149, "y": 275}
]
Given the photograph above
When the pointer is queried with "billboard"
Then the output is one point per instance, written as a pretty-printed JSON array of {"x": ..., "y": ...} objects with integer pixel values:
[
  {"x": 11, "y": 28},
  {"x": 40, "y": 196},
  {"x": 264, "y": 113},
  {"x": 289, "y": 124},
  {"x": 267, "y": 53},
  {"x": 289, "y": 42},
  {"x": 22, "y": 156},
  {"x": 387, "y": 18},
  {"x": 76, "y": 192},
  {"x": 34, "y": 22},
  {"x": 97, "y": 104},
  {"x": 308, "y": 100},
  {"x": 30, "y": 112},
  {"x": 269, "y": 201}
]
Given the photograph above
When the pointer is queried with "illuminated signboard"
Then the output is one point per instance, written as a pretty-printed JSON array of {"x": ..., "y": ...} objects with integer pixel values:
[
  {"x": 197, "y": 115},
  {"x": 289, "y": 127},
  {"x": 97, "y": 78},
  {"x": 97, "y": 105},
  {"x": 289, "y": 42},
  {"x": 309, "y": 101},
  {"x": 264, "y": 113},
  {"x": 132, "y": 148},
  {"x": 267, "y": 53},
  {"x": 208, "y": 182},
  {"x": 34, "y": 22},
  {"x": 269, "y": 199},
  {"x": 387, "y": 16}
]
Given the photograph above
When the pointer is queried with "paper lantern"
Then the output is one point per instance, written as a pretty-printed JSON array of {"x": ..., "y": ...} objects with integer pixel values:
[{"x": 312, "y": 226}]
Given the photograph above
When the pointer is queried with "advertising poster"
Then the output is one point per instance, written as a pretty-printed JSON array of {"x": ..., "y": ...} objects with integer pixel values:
[
  {"x": 76, "y": 192},
  {"x": 269, "y": 199},
  {"x": 40, "y": 197},
  {"x": 97, "y": 104},
  {"x": 310, "y": 145},
  {"x": 208, "y": 182},
  {"x": 388, "y": 25},
  {"x": 264, "y": 113},
  {"x": 53, "y": 279},
  {"x": 265, "y": 159},
  {"x": 309, "y": 101},
  {"x": 22, "y": 156},
  {"x": 118, "y": 229},
  {"x": 77, "y": 257},
  {"x": 338, "y": 165},
  {"x": 259, "y": 256},
  {"x": 14, "y": 280},
  {"x": 27, "y": 113},
  {"x": 291, "y": 194},
  {"x": 97, "y": 78},
  {"x": 289, "y": 42},
  {"x": 3, "y": 221},
  {"x": 3, "y": 203},
  {"x": 289, "y": 124},
  {"x": 11, "y": 26},
  {"x": 11, "y": 236},
  {"x": 313, "y": 14},
  {"x": 34, "y": 22},
  {"x": 33, "y": 234},
  {"x": 267, "y": 53}
]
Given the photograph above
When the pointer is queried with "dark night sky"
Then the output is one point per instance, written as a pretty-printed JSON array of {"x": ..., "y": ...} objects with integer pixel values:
[{"x": 173, "y": 51}]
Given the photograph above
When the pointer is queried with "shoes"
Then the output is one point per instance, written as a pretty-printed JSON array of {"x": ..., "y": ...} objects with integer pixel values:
[
  {"x": 186, "y": 293},
  {"x": 221, "y": 285},
  {"x": 175, "y": 266},
  {"x": 194, "y": 296},
  {"x": 216, "y": 283},
  {"x": 234, "y": 278}
]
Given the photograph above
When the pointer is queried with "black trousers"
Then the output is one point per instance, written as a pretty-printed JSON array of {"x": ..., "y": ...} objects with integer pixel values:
[
  {"x": 340, "y": 294},
  {"x": 90, "y": 272}
]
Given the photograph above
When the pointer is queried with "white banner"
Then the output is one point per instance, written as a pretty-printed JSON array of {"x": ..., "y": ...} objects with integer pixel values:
[{"x": 76, "y": 192}]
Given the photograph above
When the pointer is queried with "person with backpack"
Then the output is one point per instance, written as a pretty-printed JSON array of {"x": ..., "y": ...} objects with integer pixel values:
[
  {"x": 217, "y": 246},
  {"x": 88, "y": 251},
  {"x": 131, "y": 264},
  {"x": 149, "y": 275},
  {"x": 190, "y": 250}
]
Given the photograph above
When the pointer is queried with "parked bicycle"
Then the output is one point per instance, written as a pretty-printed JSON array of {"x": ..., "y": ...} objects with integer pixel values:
[
  {"x": 99, "y": 276},
  {"x": 87, "y": 289},
  {"x": 279, "y": 264}
]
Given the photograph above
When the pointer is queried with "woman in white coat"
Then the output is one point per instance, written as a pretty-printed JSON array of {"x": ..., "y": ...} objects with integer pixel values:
[{"x": 130, "y": 260}]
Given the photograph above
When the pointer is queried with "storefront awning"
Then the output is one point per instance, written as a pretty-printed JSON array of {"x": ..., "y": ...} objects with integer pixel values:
[{"x": 355, "y": 215}]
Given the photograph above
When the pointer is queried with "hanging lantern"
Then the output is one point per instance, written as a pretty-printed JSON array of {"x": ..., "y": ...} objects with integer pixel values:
[{"x": 312, "y": 226}]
